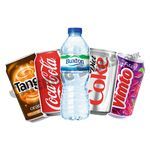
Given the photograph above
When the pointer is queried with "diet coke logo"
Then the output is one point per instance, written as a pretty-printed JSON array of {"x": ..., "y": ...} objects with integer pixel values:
[
  {"x": 50, "y": 75},
  {"x": 123, "y": 86},
  {"x": 99, "y": 76}
]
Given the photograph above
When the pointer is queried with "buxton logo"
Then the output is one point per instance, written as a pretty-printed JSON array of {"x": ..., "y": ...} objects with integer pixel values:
[
  {"x": 50, "y": 75},
  {"x": 99, "y": 76},
  {"x": 74, "y": 61},
  {"x": 123, "y": 86}
]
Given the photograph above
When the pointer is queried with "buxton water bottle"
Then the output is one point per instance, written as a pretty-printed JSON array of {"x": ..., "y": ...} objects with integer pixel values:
[{"x": 74, "y": 73}]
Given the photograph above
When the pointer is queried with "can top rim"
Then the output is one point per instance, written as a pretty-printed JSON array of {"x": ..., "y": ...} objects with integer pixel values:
[
  {"x": 103, "y": 50},
  {"x": 19, "y": 59},
  {"x": 49, "y": 51},
  {"x": 132, "y": 60}
]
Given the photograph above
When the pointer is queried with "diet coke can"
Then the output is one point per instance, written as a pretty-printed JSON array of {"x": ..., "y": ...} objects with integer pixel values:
[
  {"x": 103, "y": 66},
  {"x": 48, "y": 75}
]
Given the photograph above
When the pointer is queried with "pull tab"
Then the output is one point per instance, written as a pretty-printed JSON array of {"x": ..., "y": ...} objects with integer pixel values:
[{"x": 134, "y": 56}]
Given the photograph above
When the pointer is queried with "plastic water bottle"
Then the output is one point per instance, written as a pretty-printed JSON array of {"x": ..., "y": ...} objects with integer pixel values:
[{"x": 74, "y": 73}]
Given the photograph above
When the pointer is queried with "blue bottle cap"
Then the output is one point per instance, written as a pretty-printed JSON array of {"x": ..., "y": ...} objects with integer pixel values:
[{"x": 75, "y": 30}]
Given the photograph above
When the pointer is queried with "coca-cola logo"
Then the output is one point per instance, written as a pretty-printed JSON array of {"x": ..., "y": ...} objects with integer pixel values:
[
  {"x": 50, "y": 75},
  {"x": 122, "y": 89},
  {"x": 99, "y": 76}
]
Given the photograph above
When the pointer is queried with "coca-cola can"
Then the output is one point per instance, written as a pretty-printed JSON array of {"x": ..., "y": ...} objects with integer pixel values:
[
  {"x": 48, "y": 75},
  {"x": 103, "y": 66}
]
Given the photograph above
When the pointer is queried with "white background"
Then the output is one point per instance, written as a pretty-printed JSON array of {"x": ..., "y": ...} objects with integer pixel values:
[{"x": 32, "y": 25}]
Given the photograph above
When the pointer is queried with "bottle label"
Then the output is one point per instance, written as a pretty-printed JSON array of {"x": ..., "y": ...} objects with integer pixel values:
[{"x": 74, "y": 62}]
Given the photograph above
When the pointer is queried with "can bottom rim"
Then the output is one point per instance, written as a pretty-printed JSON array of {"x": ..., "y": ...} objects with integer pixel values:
[{"x": 98, "y": 113}]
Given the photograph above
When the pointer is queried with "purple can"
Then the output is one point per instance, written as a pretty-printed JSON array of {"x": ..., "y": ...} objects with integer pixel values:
[{"x": 128, "y": 81}]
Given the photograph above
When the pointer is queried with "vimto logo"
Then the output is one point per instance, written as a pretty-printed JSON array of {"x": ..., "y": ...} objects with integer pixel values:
[{"x": 123, "y": 86}]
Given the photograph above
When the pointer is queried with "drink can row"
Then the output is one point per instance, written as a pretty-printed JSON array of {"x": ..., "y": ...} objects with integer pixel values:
[{"x": 113, "y": 86}]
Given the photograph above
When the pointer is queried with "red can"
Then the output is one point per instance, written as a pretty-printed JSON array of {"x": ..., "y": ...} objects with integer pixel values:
[{"x": 49, "y": 81}]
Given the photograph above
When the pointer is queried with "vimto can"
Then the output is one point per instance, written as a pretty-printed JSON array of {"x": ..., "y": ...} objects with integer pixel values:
[
  {"x": 103, "y": 66},
  {"x": 129, "y": 77}
]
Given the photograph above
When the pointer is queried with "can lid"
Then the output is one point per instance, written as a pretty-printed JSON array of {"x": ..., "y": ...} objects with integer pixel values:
[
  {"x": 135, "y": 57},
  {"x": 102, "y": 50}
]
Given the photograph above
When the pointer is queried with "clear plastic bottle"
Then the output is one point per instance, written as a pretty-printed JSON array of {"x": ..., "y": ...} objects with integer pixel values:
[{"x": 74, "y": 73}]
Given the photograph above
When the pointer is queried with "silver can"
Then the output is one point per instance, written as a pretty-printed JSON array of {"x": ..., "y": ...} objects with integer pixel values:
[{"x": 103, "y": 65}]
